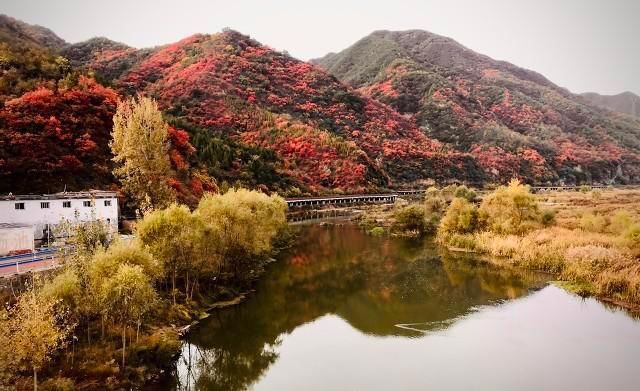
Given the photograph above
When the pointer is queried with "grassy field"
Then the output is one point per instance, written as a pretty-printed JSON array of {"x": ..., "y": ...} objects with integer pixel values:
[{"x": 592, "y": 246}]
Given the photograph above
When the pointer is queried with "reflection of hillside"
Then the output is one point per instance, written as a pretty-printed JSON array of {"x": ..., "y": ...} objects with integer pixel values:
[{"x": 374, "y": 284}]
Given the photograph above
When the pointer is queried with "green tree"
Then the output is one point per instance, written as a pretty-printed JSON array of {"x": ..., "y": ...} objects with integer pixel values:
[
  {"x": 510, "y": 209},
  {"x": 243, "y": 223},
  {"x": 434, "y": 208},
  {"x": 410, "y": 219},
  {"x": 463, "y": 191},
  {"x": 141, "y": 151}
]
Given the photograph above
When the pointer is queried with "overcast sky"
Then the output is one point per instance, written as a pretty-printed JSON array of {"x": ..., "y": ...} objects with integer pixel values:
[{"x": 586, "y": 45}]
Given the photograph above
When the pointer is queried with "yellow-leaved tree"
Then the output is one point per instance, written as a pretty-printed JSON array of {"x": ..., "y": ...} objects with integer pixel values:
[
  {"x": 140, "y": 146},
  {"x": 35, "y": 329},
  {"x": 511, "y": 209},
  {"x": 176, "y": 238},
  {"x": 243, "y": 224}
]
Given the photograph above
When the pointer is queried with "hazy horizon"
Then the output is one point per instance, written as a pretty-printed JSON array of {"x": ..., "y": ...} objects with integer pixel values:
[{"x": 582, "y": 47}]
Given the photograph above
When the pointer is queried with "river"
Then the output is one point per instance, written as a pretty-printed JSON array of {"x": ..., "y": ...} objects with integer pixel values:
[{"x": 346, "y": 311}]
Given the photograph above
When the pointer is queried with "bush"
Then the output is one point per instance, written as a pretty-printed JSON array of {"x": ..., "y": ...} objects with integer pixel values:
[
  {"x": 620, "y": 222},
  {"x": 434, "y": 208},
  {"x": 461, "y": 218},
  {"x": 466, "y": 193},
  {"x": 448, "y": 192},
  {"x": 593, "y": 223},
  {"x": 632, "y": 236},
  {"x": 376, "y": 231},
  {"x": 548, "y": 217},
  {"x": 410, "y": 219},
  {"x": 510, "y": 209},
  {"x": 432, "y": 192},
  {"x": 585, "y": 188}
]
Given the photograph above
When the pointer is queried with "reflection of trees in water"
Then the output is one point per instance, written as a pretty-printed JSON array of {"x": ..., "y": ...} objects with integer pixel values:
[
  {"x": 215, "y": 368},
  {"x": 375, "y": 284}
]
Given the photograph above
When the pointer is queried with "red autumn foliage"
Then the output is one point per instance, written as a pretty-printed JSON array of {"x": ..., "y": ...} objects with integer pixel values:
[
  {"x": 52, "y": 139},
  {"x": 220, "y": 81}
]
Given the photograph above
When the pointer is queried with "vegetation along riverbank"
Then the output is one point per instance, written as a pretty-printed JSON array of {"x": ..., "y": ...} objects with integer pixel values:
[
  {"x": 590, "y": 239},
  {"x": 110, "y": 317}
]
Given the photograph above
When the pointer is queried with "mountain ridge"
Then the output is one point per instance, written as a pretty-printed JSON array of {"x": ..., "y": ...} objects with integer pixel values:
[
  {"x": 425, "y": 109},
  {"x": 626, "y": 102},
  {"x": 514, "y": 121}
]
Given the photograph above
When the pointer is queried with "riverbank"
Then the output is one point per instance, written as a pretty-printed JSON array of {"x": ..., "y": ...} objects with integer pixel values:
[
  {"x": 592, "y": 246},
  {"x": 590, "y": 240}
]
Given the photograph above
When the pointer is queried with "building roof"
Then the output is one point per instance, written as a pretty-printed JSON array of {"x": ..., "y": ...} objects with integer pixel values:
[
  {"x": 14, "y": 225},
  {"x": 60, "y": 196}
]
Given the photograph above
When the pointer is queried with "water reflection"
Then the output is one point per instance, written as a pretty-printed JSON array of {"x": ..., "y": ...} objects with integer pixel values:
[{"x": 380, "y": 286}]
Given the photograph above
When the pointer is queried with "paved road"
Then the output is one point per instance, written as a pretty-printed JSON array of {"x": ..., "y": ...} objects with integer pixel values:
[
  {"x": 24, "y": 263},
  {"x": 7, "y": 271}
]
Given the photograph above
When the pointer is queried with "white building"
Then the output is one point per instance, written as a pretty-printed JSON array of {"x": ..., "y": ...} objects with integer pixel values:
[
  {"x": 15, "y": 237},
  {"x": 44, "y": 212}
]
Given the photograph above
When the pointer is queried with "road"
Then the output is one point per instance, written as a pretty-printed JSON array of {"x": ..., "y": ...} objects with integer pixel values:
[{"x": 19, "y": 264}]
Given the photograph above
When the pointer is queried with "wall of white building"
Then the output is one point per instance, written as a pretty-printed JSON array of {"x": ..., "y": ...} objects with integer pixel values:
[
  {"x": 15, "y": 238},
  {"x": 105, "y": 209}
]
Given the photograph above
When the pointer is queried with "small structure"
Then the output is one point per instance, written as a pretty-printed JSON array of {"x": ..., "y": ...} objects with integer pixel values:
[
  {"x": 15, "y": 237},
  {"x": 43, "y": 212}
]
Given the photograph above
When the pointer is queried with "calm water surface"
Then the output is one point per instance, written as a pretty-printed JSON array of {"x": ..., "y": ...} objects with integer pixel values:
[{"x": 346, "y": 311}]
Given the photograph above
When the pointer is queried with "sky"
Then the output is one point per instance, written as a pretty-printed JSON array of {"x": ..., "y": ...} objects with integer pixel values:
[{"x": 588, "y": 45}]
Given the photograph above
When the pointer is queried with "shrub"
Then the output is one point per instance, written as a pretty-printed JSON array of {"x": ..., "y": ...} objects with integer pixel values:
[
  {"x": 510, "y": 209},
  {"x": 593, "y": 223},
  {"x": 448, "y": 192},
  {"x": 461, "y": 218},
  {"x": 632, "y": 236},
  {"x": 585, "y": 188},
  {"x": 432, "y": 192},
  {"x": 434, "y": 208},
  {"x": 410, "y": 219},
  {"x": 376, "y": 231},
  {"x": 466, "y": 193},
  {"x": 620, "y": 222},
  {"x": 548, "y": 217}
]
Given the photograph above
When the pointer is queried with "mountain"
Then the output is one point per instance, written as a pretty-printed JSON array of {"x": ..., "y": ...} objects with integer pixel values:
[
  {"x": 627, "y": 102},
  {"x": 254, "y": 116},
  {"x": 18, "y": 32},
  {"x": 412, "y": 108},
  {"x": 513, "y": 121},
  {"x": 307, "y": 129},
  {"x": 56, "y": 122}
]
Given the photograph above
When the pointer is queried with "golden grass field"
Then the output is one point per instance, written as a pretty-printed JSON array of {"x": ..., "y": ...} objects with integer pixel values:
[{"x": 589, "y": 246}]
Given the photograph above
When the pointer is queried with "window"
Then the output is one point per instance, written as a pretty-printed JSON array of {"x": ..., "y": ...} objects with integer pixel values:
[
  {"x": 44, "y": 205},
  {"x": 87, "y": 203},
  {"x": 20, "y": 205},
  {"x": 107, "y": 203},
  {"x": 66, "y": 204}
]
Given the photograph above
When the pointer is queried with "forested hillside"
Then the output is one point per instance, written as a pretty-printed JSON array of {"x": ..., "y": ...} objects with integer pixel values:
[
  {"x": 513, "y": 121},
  {"x": 411, "y": 108}
]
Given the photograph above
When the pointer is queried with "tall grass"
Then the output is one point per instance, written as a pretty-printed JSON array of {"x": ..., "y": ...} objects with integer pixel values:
[{"x": 595, "y": 244}]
